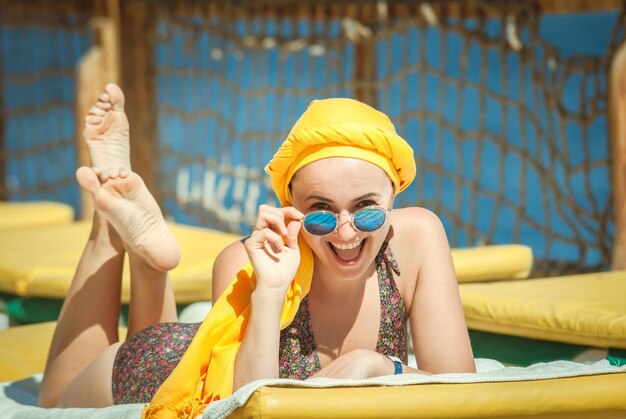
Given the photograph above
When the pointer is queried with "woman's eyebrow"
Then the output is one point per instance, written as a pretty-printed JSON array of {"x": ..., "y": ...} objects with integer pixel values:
[
  {"x": 330, "y": 201},
  {"x": 367, "y": 195},
  {"x": 318, "y": 198}
]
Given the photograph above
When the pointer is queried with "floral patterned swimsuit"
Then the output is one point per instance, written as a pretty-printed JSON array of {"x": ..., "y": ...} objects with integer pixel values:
[{"x": 146, "y": 359}]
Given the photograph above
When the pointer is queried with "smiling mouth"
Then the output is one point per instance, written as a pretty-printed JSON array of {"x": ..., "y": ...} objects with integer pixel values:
[
  {"x": 347, "y": 252},
  {"x": 348, "y": 246}
]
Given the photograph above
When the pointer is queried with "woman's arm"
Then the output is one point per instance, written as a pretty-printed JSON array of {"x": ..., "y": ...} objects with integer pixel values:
[
  {"x": 440, "y": 338},
  {"x": 360, "y": 364},
  {"x": 258, "y": 354},
  {"x": 260, "y": 344},
  {"x": 262, "y": 336},
  {"x": 273, "y": 251}
]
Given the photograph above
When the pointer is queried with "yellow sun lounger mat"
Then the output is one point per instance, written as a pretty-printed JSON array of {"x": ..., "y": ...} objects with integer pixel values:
[
  {"x": 17, "y": 215},
  {"x": 558, "y": 389},
  {"x": 497, "y": 394},
  {"x": 492, "y": 263},
  {"x": 37, "y": 266},
  {"x": 41, "y": 262},
  {"x": 599, "y": 395},
  {"x": 586, "y": 309},
  {"x": 23, "y": 350}
]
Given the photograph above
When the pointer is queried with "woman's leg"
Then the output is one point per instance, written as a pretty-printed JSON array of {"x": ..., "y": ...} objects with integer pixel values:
[
  {"x": 88, "y": 322},
  {"x": 80, "y": 362},
  {"x": 126, "y": 204},
  {"x": 151, "y": 296}
]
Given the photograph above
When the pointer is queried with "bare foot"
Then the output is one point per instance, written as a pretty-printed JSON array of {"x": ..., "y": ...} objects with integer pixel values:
[
  {"x": 106, "y": 133},
  {"x": 126, "y": 203}
]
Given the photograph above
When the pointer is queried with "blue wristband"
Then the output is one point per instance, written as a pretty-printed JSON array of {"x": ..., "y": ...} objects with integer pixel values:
[{"x": 397, "y": 364}]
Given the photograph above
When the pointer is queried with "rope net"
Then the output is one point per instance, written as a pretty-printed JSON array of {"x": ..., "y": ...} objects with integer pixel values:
[
  {"x": 511, "y": 138},
  {"x": 510, "y": 133},
  {"x": 40, "y": 45}
]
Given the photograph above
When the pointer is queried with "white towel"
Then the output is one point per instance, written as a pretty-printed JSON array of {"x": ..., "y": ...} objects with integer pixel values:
[{"x": 18, "y": 399}]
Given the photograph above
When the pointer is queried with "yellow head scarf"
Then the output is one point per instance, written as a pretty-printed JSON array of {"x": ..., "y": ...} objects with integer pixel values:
[
  {"x": 342, "y": 128},
  {"x": 328, "y": 128}
]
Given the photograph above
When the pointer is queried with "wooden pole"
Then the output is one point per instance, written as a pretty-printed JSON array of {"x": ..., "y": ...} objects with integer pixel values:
[
  {"x": 364, "y": 53},
  {"x": 99, "y": 66},
  {"x": 138, "y": 81},
  {"x": 617, "y": 123},
  {"x": 89, "y": 85},
  {"x": 4, "y": 156}
]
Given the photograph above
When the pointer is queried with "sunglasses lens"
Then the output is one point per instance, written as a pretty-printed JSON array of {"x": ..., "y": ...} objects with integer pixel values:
[
  {"x": 320, "y": 223},
  {"x": 369, "y": 219}
]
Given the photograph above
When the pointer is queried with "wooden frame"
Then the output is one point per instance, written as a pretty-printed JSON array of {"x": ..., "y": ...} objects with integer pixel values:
[
  {"x": 99, "y": 66},
  {"x": 617, "y": 129}
]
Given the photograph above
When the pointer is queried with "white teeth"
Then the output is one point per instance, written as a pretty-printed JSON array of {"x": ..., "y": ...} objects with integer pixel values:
[{"x": 346, "y": 246}]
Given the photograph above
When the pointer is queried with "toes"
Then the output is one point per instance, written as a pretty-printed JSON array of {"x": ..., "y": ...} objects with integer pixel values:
[
  {"x": 105, "y": 106},
  {"x": 111, "y": 173},
  {"x": 97, "y": 111},
  {"x": 93, "y": 120},
  {"x": 116, "y": 95},
  {"x": 88, "y": 180},
  {"x": 104, "y": 98},
  {"x": 114, "y": 173},
  {"x": 102, "y": 174}
]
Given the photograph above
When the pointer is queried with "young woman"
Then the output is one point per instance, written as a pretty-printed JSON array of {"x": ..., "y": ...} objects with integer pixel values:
[{"x": 328, "y": 283}]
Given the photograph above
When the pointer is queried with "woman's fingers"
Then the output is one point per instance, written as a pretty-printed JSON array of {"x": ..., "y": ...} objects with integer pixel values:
[
  {"x": 265, "y": 236},
  {"x": 291, "y": 239},
  {"x": 358, "y": 364},
  {"x": 276, "y": 218},
  {"x": 260, "y": 238},
  {"x": 292, "y": 213},
  {"x": 274, "y": 224},
  {"x": 273, "y": 246},
  {"x": 272, "y": 218}
]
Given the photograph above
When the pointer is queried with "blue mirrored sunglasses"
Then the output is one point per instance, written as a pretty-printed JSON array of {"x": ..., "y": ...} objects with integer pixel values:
[{"x": 323, "y": 223}]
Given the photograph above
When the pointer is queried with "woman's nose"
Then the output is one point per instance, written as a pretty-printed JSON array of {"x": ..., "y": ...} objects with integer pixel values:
[{"x": 345, "y": 229}]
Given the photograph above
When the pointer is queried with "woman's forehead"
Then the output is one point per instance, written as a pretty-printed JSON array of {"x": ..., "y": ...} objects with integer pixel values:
[{"x": 346, "y": 176}]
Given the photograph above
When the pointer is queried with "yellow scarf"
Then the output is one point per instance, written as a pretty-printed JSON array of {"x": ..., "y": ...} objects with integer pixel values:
[{"x": 328, "y": 128}]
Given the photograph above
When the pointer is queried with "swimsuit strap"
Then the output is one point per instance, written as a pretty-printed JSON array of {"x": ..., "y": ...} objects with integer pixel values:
[{"x": 392, "y": 333}]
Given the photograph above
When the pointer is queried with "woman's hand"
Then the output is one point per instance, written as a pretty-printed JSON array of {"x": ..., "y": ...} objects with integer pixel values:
[
  {"x": 273, "y": 247},
  {"x": 358, "y": 364},
  {"x": 362, "y": 363}
]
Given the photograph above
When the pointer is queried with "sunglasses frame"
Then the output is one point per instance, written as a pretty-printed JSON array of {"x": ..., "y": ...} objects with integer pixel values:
[{"x": 352, "y": 214}]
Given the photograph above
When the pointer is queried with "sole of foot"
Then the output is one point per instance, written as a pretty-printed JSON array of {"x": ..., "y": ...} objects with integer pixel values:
[
  {"x": 107, "y": 133},
  {"x": 128, "y": 206}
]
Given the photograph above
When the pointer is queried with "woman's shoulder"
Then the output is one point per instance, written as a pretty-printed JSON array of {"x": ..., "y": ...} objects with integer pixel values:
[
  {"x": 235, "y": 249},
  {"x": 226, "y": 265},
  {"x": 412, "y": 220},
  {"x": 414, "y": 231}
]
